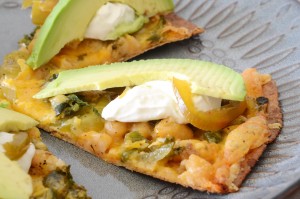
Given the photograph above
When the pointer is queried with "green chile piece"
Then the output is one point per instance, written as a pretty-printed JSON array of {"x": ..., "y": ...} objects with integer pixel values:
[{"x": 19, "y": 145}]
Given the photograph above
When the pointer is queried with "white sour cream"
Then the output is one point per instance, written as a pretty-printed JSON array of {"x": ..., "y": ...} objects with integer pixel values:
[
  {"x": 25, "y": 160},
  {"x": 107, "y": 18},
  {"x": 153, "y": 100}
]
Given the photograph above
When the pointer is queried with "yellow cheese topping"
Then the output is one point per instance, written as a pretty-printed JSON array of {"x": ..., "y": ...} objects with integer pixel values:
[{"x": 175, "y": 152}]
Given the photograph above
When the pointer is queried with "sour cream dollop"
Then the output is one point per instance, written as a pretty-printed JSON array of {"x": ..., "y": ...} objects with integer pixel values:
[
  {"x": 107, "y": 18},
  {"x": 152, "y": 100},
  {"x": 25, "y": 160}
]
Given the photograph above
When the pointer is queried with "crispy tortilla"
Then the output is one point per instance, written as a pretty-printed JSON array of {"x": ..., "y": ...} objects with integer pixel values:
[
  {"x": 274, "y": 115},
  {"x": 160, "y": 30},
  {"x": 188, "y": 30}
]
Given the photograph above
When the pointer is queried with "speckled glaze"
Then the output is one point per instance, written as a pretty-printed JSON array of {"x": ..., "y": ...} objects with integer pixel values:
[{"x": 260, "y": 33}]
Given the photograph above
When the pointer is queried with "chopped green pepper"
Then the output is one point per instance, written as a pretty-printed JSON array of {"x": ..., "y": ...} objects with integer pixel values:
[
  {"x": 213, "y": 136},
  {"x": 133, "y": 137},
  {"x": 71, "y": 105},
  {"x": 137, "y": 147},
  {"x": 158, "y": 154},
  {"x": 125, "y": 155},
  {"x": 15, "y": 149},
  {"x": 62, "y": 185}
]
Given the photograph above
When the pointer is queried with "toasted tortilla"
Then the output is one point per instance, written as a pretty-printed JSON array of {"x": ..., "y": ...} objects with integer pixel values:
[
  {"x": 274, "y": 116},
  {"x": 160, "y": 30},
  {"x": 175, "y": 21}
]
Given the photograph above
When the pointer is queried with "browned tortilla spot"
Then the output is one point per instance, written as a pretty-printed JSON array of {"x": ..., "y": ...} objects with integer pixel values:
[
  {"x": 177, "y": 21},
  {"x": 274, "y": 110},
  {"x": 274, "y": 116}
]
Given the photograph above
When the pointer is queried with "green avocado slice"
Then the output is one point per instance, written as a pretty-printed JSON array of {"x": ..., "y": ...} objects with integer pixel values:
[
  {"x": 206, "y": 78},
  {"x": 69, "y": 20},
  {"x": 127, "y": 28},
  {"x": 14, "y": 183},
  {"x": 148, "y": 8},
  {"x": 14, "y": 121}
]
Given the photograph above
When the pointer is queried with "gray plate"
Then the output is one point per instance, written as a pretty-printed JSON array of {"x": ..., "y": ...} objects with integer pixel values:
[{"x": 240, "y": 34}]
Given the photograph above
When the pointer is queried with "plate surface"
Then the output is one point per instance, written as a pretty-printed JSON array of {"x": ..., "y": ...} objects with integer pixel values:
[{"x": 240, "y": 34}]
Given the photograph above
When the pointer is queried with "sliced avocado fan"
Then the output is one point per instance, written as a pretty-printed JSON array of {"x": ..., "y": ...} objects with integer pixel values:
[
  {"x": 69, "y": 20},
  {"x": 206, "y": 78}
]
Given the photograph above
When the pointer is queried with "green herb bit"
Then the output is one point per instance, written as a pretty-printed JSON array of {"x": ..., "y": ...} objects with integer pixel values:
[
  {"x": 134, "y": 140},
  {"x": 156, "y": 33},
  {"x": 75, "y": 99},
  {"x": 4, "y": 104},
  {"x": 28, "y": 38},
  {"x": 213, "y": 136},
  {"x": 136, "y": 146},
  {"x": 158, "y": 154},
  {"x": 134, "y": 137},
  {"x": 127, "y": 154},
  {"x": 159, "y": 142},
  {"x": 154, "y": 37},
  {"x": 62, "y": 185},
  {"x": 69, "y": 104}
]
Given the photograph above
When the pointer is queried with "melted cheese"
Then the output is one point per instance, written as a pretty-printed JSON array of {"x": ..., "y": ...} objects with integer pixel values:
[
  {"x": 219, "y": 162},
  {"x": 79, "y": 129}
]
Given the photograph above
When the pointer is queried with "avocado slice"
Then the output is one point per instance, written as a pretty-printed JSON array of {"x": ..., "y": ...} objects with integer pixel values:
[
  {"x": 67, "y": 21},
  {"x": 206, "y": 78},
  {"x": 14, "y": 183},
  {"x": 127, "y": 28},
  {"x": 70, "y": 18},
  {"x": 148, "y": 8},
  {"x": 14, "y": 121}
]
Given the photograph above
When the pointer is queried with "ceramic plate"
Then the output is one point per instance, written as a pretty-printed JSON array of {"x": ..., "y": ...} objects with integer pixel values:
[{"x": 240, "y": 34}]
